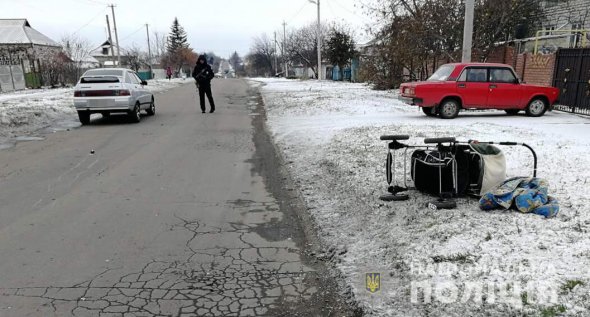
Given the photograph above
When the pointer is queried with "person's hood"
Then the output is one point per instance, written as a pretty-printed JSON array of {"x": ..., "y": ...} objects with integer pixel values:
[{"x": 201, "y": 57}]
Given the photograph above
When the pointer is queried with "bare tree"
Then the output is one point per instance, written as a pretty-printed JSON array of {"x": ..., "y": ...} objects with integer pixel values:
[
  {"x": 136, "y": 57},
  {"x": 302, "y": 46},
  {"x": 77, "y": 49},
  {"x": 158, "y": 44},
  {"x": 260, "y": 59},
  {"x": 497, "y": 20},
  {"x": 418, "y": 35}
]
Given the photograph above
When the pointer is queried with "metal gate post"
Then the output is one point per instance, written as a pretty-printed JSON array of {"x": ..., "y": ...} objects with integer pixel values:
[
  {"x": 10, "y": 70},
  {"x": 577, "y": 75}
]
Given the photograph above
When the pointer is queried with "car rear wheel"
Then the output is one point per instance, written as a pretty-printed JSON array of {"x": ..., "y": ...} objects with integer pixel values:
[
  {"x": 429, "y": 111},
  {"x": 512, "y": 112},
  {"x": 84, "y": 117},
  {"x": 134, "y": 115},
  {"x": 536, "y": 107},
  {"x": 152, "y": 109},
  {"x": 449, "y": 109}
]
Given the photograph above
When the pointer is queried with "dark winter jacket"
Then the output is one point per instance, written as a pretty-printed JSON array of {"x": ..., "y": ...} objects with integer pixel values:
[{"x": 203, "y": 72}]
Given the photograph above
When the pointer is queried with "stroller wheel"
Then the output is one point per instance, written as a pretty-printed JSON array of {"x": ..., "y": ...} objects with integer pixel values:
[
  {"x": 392, "y": 197},
  {"x": 442, "y": 204}
]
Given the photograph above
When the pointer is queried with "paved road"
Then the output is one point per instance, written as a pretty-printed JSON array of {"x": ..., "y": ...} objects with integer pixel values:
[{"x": 182, "y": 214}]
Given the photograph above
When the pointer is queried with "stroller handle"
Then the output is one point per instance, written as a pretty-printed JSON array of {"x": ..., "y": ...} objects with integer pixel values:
[
  {"x": 513, "y": 144},
  {"x": 440, "y": 140},
  {"x": 394, "y": 137}
]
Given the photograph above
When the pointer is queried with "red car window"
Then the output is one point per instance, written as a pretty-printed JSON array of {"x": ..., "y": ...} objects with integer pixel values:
[
  {"x": 502, "y": 75},
  {"x": 474, "y": 75}
]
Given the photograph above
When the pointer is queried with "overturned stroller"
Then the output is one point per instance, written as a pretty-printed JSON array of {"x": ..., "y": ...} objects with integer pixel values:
[{"x": 446, "y": 168}]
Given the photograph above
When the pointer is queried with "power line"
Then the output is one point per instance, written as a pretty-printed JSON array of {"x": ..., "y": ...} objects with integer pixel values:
[
  {"x": 350, "y": 11},
  {"x": 331, "y": 9},
  {"x": 90, "y": 21},
  {"x": 298, "y": 12},
  {"x": 132, "y": 33},
  {"x": 96, "y": 2}
]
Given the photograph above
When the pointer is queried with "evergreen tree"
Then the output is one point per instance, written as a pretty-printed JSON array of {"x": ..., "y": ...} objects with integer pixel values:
[
  {"x": 177, "y": 38},
  {"x": 235, "y": 60},
  {"x": 340, "y": 48}
]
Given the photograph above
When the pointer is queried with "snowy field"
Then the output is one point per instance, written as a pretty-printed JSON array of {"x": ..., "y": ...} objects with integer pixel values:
[
  {"x": 462, "y": 262},
  {"x": 28, "y": 114}
]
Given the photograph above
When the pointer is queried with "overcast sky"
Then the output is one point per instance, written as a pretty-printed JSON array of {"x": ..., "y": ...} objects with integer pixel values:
[{"x": 221, "y": 26}]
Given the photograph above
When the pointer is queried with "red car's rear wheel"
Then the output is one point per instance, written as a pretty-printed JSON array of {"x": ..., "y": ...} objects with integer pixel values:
[{"x": 449, "y": 109}]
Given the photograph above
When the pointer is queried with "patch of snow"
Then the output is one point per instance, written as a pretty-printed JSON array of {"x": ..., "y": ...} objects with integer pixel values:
[
  {"x": 328, "y": 133},
  {"x": 34, "y": 111}
]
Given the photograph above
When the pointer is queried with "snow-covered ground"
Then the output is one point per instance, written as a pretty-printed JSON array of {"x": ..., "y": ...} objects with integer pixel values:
[
  {"x": 27, "y": 114},
  {"x": 474, "y": 263}
]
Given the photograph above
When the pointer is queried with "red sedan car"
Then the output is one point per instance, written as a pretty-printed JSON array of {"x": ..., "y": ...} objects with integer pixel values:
[{"x": 477, "y": 86}]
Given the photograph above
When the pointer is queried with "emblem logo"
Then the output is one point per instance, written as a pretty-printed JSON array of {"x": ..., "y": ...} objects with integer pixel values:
[{"x": 373, "y": 282}]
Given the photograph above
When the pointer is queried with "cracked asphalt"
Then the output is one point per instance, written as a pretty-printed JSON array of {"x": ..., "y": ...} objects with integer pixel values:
[{"x": 183, "y": 214}]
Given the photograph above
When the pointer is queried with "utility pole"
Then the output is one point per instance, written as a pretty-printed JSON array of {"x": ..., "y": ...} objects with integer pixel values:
[
  {"x": 116, "y": 35},
  {"x": 276, "y": 58},
  {"x": 110, "y": 39},
  {"x": 283, "y": 49},
  {"x": 147, "y": 31},
  {"x": 468, "y": 31},
  {"x": 319, "y": 36}
]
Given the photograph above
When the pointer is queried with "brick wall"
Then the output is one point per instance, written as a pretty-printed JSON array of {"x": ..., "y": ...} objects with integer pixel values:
[
  {"x": 536, "y": 69},
  {"x": 499, "y": 55},
  {"x": 519, "y": 66}
]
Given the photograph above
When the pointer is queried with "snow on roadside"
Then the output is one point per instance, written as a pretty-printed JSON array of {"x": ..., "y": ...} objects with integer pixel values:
[
  {"x": 329, "y": 135},
  {"x": 27, "y": 112}
]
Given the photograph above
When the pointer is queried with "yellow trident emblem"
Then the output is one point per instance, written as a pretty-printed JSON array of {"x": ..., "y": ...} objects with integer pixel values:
[{"x": 373, "y": 282}]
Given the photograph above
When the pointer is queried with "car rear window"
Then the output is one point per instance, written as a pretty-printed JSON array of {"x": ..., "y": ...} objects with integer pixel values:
[
  {"x": 104, "y": 72},
  {"x": 99, "y": 79},
  {"x": 442, "y": 73}
]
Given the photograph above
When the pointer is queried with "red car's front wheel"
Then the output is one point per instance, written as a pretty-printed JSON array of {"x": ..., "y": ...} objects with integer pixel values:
[{"x": 536, "y": 107}]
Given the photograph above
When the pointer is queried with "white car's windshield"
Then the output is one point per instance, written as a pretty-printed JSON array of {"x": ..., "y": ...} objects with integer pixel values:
[
  {"x": 442, "y": 73},
  {"x": 104, "y": 72},
  {"x": 99, "y": 79}
]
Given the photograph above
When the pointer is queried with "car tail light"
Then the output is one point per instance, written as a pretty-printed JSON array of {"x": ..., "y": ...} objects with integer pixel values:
[
  {"x": 78, "y": 93},
  {"x": 123, "y": 92}
]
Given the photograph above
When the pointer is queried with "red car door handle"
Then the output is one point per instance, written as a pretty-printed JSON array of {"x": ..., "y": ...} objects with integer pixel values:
[
  {"x": 493, "y": 86},
  {"x": 461, "y": 85}
]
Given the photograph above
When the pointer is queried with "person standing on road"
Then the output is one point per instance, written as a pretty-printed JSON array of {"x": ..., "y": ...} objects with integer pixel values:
[
  {"x": 168, "y": 72},
  {"x": 203, "y": 75}
]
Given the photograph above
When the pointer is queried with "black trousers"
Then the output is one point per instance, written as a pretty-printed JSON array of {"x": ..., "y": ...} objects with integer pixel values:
[{"x": 206, "y": 90}]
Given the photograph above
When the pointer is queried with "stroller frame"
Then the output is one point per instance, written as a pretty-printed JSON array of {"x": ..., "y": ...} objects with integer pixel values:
[{"x": 448, "y": 145}]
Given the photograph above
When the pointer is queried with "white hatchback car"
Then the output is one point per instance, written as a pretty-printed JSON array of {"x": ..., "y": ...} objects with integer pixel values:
[{"x": 112, "y": 90}]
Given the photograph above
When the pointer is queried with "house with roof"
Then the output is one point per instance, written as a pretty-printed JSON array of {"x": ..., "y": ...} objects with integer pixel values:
[
  {"x": 565, "y": 23},
  {"x": 566, "y": 14},
  {"x": 104, "y": 55},
  {"x": 23, "y": 51}
]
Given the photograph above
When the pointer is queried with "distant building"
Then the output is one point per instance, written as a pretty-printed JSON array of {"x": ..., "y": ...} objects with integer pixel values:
[
  {"x": 560, "y": 18},
  {"x": 23, "y": 51},
  {"x": 104, "y": 55},
  {"x": 88, "y": 62},
  {"x": 566, "y": 14}
]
